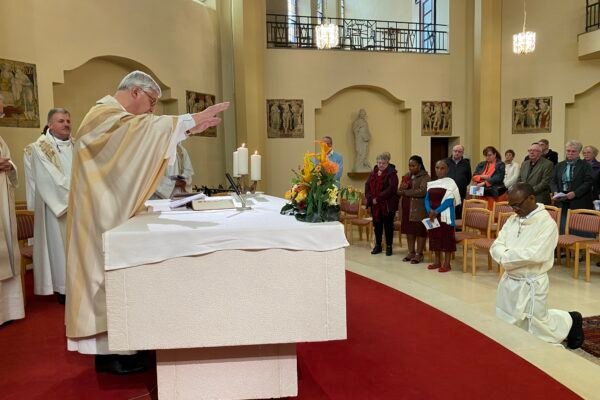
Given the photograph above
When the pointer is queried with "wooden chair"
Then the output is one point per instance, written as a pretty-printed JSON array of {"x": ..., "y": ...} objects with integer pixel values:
[
  {"x": 467, "y": 204},
  {"x": 581, "y": 220},
  {"x": 499, "y": 208},
  {"x": 362, "y": 221},
  {"x": 25, "y": 220},
  {"x": 477, "y": 224},
  {"x": 555, "y": 213},
  {"x": 398, "y": 223},
  {"x": 348, "y": 211},
  {"x": 486, "y": 244},
  {"x": 590, "y": 248},
  {"x": 20, "y": 205}
]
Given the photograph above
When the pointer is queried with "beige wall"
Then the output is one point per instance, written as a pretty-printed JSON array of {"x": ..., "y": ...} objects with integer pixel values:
[
  {"x": 552, "y": 70},
  {"x": 317, "y": 75},
  {"x": 177, "y": 40},
  {"x": 583, "y": 119}
]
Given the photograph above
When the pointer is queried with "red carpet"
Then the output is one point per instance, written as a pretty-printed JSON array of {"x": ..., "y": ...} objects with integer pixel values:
[
  {"x": 398, "y": 348},
  {"x": 591, "y": 327}
]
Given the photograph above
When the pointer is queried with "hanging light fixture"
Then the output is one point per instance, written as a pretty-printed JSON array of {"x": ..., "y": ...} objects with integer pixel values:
[
  {"x": 524, "y": 42},
  {"x": 327, "y": 33}
]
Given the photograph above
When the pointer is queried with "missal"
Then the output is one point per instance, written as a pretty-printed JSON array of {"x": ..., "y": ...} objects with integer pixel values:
[{"x": 217, "y": 204}]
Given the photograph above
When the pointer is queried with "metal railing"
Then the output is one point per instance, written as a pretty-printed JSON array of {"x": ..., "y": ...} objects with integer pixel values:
[
  {"x": 358, "y": 34},
  {"x": 592, "y": 15}
]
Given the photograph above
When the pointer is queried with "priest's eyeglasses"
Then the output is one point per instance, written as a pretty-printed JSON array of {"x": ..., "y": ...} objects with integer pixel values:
[
  {"x": 153, "y": 100},
  {"x": 518, "y": 205}
]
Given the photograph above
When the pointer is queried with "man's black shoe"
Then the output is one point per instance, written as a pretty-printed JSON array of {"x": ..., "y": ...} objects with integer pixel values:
[
  {"x": 120, "y": 365},
  {"x": 61, "y": 298},
  {"x": 575, "y": 337},
  {"x": 388, "y": 250},
  {"x": 377, "y": 249}
]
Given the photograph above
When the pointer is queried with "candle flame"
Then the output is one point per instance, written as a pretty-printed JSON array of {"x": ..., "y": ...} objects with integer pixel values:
[
  {"x": 256, "y": 152},
  {"x": 243, "y": 144}
]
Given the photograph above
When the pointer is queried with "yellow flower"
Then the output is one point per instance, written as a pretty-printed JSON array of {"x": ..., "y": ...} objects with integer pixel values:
[
  {"x": 301, "y": 196},
  {"x": 288, "y": 195}
]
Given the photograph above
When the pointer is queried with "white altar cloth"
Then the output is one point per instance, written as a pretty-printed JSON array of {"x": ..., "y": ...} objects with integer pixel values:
[{"x": 154, "y": 237}]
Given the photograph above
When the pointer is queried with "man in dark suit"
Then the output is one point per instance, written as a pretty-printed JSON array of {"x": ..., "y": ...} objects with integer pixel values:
[
  {"x": 537, "y": 171},
  {"x": 459, "y": 169},
  {"x": 573, "y": 177}
]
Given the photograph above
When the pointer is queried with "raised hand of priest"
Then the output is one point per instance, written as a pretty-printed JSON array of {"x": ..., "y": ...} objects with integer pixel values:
[{"x": 5, "y": 164}]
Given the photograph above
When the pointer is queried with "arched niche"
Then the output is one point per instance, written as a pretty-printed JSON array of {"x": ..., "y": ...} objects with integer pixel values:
[
  {"x": 389, "y": 123},
  {"x": 96, "y": 78},
  {"x": 582, "y": 118}
]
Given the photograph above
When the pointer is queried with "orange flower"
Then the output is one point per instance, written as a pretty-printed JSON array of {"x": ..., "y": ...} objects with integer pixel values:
[{"x": 330, "y": 167}]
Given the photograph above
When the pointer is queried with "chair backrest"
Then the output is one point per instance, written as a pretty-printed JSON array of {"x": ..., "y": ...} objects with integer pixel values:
[
  {"x": 473, "y": 203},
  {"x": 20, "y": 205},
  {"x": 583, "y": 220},
  {"x": 554, "y": 213},
  {"x": 24, "y": 224},
  {"x": 479, "y": 219},
  {"x": 499, "y": 208},
  {"x": 502, "y": 218}
]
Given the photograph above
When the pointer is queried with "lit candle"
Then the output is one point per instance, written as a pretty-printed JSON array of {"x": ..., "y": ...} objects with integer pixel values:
[
  {"x": 243, "y": 159},
  {"x": 255, "y": 160},
  {"x": 236, "y": 171}
]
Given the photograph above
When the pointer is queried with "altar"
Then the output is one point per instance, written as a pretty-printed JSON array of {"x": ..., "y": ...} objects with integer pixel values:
[{"x": 223, "y": 297}]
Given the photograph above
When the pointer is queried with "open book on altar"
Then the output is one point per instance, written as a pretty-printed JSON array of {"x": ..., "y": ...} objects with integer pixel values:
[{"x": 214, "y": 203}]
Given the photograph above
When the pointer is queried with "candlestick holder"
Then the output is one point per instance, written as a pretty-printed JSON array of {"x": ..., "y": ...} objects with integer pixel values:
[{"x": 253, "y": 186}]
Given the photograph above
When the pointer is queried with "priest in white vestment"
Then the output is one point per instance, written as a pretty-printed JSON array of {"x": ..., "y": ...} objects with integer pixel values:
[
  {"x": 525, "y": 249},
  {"x": 51, "y": 160},
  {"x": 29, "y": 184},
  {"x": 11, "y": 292},
  {"x": 121, "y": 151},
  {"x": 178, "y": 177}
]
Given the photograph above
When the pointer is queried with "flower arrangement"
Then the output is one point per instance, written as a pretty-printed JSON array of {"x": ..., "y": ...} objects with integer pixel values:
[
  {"x": 314, "y": 194},
  {"x": 350, "y": 194}
]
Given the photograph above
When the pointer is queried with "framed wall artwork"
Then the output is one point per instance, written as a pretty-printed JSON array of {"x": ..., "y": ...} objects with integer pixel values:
[
  {"x": 196, "y": 102},
  {"x": 19, "y": 104},
  {"x": 532, "y": 115},
  {"x": 436, "y": 118},
  {"x": 285, "y": 118}
]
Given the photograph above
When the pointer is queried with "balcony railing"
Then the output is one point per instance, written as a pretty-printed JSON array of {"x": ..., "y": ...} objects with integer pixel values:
[
  {"x": 358, "y": 34},
  {"x": 592, "y": 15}
]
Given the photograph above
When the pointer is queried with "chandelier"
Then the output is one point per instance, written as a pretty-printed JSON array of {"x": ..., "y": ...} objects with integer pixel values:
[
  {"x": 328, "y": 35},
  {"x": 524, "y": 42}
]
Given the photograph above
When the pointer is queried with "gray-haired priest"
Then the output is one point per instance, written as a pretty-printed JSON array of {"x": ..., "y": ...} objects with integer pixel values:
[
  {"x": 51, "y": 158},
  {"x": 120, "y": 155}
]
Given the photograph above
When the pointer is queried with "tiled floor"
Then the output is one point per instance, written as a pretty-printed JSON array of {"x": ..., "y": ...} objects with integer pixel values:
[{"x": 471, "y": 299}]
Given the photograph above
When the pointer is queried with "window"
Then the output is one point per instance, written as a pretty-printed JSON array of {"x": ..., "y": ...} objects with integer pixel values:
[
  {"x": 427, "y": 22},
  {"x": 292, "y": 12}
]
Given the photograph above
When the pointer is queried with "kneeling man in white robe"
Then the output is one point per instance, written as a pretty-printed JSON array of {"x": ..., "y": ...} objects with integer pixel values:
[
  {"x": 51, "y": 157},
  {"x": 525, "y": 248}
]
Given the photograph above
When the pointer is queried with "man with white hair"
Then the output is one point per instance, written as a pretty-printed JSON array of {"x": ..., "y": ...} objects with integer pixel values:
[
  {"x": 537, "y": 171},
  {"x": 120, "y": 154},
  {"x": 51, "y": 159}
]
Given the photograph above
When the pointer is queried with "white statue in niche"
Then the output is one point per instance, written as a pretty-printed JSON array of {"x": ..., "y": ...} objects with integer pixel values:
[{"x": 360, "y": 127}]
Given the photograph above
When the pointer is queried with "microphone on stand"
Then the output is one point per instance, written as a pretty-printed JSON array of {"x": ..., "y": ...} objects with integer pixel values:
[{"x": 237, "y": 191}]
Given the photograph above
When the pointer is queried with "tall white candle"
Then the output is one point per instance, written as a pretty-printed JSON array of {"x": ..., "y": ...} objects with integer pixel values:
[
  {"x": 236, "y": 170},
  {"x": 255, "y": 161},
  {"x": 243, "y": 159}
]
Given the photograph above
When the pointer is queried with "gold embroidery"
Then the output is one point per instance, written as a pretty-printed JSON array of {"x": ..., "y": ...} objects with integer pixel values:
[
  {"x": 50, "y": 153},
  {"x": 27, "y": 150}
]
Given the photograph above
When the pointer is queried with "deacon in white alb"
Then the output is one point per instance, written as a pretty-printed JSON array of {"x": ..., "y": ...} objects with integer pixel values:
[
  {"x": 29, "y": 184},
  {"x": 51, "y": 158},
  {"x": 525, "y": 248},
  {"x": 178, "y": 177}
]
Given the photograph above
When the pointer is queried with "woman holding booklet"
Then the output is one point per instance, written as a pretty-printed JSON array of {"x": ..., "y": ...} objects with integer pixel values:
[{"x": 441, "y": 199}]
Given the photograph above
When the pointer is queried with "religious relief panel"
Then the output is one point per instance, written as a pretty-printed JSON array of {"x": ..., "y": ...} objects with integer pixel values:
[
  {"x": 532, "y": 115},
  {"x": 19, "y": 105},
  {"x": 285, "y": 118},
  {"x": 436, "y": 118},
  {"x": 196, "y": 102}
]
